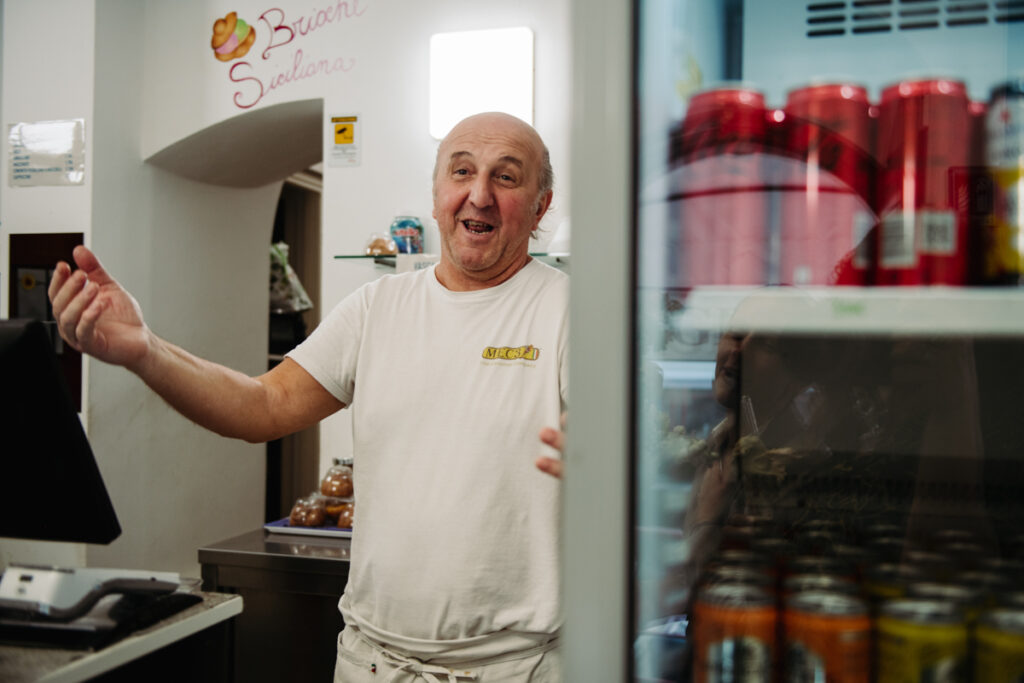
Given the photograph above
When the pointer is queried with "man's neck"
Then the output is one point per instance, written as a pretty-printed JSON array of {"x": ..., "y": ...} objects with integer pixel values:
[{"x": 455, "y": 280}]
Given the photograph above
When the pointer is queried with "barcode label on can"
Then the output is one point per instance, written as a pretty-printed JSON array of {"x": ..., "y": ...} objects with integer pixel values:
[
  {"x": 739, "y": 660},
  {"x": 936, "y": 233},
  {"x": 897, "y": 243}
]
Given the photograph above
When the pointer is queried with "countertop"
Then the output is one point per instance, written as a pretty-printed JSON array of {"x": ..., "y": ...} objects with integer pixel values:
[
  {"x": 260, "y": 549},
  {"x": 52, "y": 664}
]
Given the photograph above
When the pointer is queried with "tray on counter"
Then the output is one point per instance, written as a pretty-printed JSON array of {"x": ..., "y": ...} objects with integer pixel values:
[{"x": 281, "y": 526}]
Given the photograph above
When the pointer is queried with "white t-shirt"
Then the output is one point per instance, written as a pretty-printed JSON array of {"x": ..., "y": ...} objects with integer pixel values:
[{"x": 456, "y": 537}]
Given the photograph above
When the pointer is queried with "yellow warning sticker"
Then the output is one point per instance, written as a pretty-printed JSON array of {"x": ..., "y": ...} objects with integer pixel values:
[
  {"x": 345, "y": 149},
  {"x": 344, "y": 133}
]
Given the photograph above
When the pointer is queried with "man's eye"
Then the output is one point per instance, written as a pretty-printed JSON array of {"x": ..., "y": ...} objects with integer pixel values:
[{"x": 461, "y": 171}]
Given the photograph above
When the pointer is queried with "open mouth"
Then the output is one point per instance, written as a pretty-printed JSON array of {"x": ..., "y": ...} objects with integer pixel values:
[{"x": 478, "y": 228}]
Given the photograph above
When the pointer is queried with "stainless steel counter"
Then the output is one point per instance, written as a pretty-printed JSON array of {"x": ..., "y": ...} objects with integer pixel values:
[{"x": 291, "y": 586}]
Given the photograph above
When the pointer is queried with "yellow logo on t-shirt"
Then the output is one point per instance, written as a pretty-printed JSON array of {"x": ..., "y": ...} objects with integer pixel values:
[{"x": 528, "y": 352}]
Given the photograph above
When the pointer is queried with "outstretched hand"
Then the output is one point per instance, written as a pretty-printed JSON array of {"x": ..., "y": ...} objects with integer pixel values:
[
  {"x": 94, "y": 314},
  {"x": 556, "y": 439}
]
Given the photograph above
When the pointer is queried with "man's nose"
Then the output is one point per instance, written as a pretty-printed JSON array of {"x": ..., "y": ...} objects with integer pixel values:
[{"x": 480, "y": 193}]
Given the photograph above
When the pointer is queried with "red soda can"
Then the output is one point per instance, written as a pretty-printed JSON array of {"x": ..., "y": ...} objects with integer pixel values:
[
  {"x": 722, "y": 195},
  {"x": 825, "y": 212},
  {"x": 924, "y": 134}
]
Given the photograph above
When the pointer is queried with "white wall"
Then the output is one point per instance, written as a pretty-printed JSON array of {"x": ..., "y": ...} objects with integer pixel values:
[
  {"x": 68, "y": 95},
  {"x": 195, "y": 256}
]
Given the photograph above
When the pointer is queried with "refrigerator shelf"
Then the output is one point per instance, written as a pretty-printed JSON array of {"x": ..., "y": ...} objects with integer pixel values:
[{"x": 846, "y": 311}]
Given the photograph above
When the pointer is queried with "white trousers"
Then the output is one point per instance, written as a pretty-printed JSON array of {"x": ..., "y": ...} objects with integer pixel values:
[{"x": 361, "y": 660}]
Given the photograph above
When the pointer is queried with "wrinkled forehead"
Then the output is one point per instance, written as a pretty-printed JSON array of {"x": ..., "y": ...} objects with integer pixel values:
[{"x": 492, "y": 141}]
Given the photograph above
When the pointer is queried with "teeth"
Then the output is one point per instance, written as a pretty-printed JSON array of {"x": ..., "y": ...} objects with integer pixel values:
[{"x": 477, "y": 226}]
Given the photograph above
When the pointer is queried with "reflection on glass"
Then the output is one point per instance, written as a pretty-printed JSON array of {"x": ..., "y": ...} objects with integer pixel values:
[
  {"x": 833, "y": 457},
  {"x": 795, "y": 481}
]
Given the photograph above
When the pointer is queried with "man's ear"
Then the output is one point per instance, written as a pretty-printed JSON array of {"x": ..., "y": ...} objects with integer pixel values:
[{"x": 543, "y": 203}]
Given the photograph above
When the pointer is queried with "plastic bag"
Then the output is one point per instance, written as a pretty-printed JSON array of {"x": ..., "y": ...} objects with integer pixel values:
[{"x": 286, "y": 292}]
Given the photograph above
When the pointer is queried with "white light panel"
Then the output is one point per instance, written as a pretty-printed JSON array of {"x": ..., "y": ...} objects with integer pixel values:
[{"x": 477, "y": 71}]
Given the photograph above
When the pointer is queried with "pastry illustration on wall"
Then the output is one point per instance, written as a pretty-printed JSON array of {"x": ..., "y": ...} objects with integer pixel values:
[{"x": 232, "y": 37}]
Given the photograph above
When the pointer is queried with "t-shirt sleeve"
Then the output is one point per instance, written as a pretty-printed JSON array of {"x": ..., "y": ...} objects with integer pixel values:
[{"x": 331, "y": 353}]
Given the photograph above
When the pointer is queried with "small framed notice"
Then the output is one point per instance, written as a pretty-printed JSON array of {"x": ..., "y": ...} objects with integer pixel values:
[
  {"x": 344, "y": 136},
  {"x": 46, "y": 153}
]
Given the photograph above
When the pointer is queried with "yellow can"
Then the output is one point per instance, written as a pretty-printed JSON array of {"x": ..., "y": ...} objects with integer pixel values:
[
  {"x": 921, "y": 640},
  {"x": 968, "y": 598},
  {"x": 999, "y": 643},
  {"x": 888, "y": 581}
]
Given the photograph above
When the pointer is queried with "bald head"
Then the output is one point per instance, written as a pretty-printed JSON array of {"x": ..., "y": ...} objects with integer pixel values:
[{"x": 498, "y": 123}]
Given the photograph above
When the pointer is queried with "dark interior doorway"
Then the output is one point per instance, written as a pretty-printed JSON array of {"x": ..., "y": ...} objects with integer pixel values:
[{"x": 293, "y": 462}]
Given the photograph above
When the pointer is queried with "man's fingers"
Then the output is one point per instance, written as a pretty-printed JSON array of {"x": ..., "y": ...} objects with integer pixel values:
[
  {"x": 68, "y": 289},
  {"x": 60, "y": 275},
  {"x": 552, "y": 466},
  {"x": 553, "y": 438},
  {"x": 88, "y": 262},
  {"x": 73, "y": 297},
  {"x": 71, "y": 314},
  {"x": 86, "y": 329}
]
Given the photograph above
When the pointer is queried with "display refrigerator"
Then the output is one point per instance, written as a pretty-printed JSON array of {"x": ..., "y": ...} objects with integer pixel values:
[{"x": 796, "y": 434}]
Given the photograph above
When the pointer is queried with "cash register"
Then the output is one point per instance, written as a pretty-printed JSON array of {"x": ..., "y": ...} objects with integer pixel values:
[{"x": 51, "y": 489}]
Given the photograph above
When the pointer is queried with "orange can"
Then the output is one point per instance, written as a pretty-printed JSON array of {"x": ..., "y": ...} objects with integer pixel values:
[
  {"x": 802, "y": 583},
  {"x": 827, "y": 637},
  {"x": 734, "y": 634},
  {"x": 753, "y": 576},
  {"x": 821, "y": 564}
]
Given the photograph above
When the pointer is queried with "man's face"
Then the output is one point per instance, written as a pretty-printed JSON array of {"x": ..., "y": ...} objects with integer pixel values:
[
  {"x": 727, "y": 369},
  {"x": 486, "y": 200}
]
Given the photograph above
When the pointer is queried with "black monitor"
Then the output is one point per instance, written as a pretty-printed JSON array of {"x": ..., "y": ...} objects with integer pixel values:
[{"x": 50, "y": 486}]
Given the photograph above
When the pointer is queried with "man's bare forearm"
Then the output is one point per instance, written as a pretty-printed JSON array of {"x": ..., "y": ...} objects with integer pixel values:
[{"x": 230, "y": 403}]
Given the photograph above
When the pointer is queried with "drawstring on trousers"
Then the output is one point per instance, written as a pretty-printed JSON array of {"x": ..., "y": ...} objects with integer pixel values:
[{"x": 430, "y": 672}]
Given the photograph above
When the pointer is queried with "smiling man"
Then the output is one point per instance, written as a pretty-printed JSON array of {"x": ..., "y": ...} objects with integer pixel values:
[
  {"x": 455, "y": 555},
  {"x": 492, "y": 185},
  {"x": 450, "y": 374}
]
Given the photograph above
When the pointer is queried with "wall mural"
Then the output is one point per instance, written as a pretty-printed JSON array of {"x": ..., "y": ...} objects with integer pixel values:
[
  {"x": 232, "y": 37},
  {"x": 274, "y": 68}
]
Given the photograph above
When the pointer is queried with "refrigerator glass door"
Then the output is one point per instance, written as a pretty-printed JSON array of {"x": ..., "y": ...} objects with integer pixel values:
[{"x": 829, "y": 341}]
